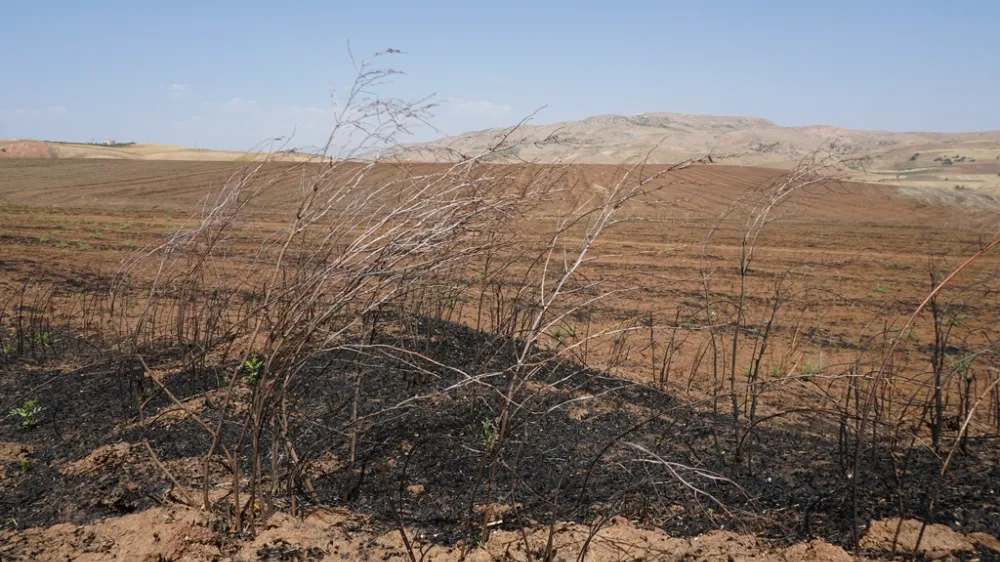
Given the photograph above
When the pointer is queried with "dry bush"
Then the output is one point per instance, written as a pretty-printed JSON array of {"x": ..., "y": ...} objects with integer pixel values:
[{"x": 376, "y": 252}]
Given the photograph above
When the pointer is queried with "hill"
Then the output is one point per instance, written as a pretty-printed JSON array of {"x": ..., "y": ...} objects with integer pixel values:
[
  {"x": 901, "y": 158},
  {"x": 47, "y": 149}
]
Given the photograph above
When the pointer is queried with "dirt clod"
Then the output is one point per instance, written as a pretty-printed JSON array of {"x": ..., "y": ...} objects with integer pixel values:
[{"x": 938, "y": 541}]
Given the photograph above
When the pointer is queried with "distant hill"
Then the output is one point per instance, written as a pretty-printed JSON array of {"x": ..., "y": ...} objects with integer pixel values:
[
  {"x": 908, "y": 158},
  {"x": 951, "y": 160},
  {"x": 48, "y": 149}
]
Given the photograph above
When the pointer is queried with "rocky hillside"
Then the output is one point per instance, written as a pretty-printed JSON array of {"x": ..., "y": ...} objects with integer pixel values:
[{"x": 668, "y": 137}]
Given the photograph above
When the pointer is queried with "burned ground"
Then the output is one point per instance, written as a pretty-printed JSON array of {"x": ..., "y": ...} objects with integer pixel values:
[{"x": 570, "y": 459}]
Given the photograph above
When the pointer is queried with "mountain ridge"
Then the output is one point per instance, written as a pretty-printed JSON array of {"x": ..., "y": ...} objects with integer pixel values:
[{"x": 663, "y": 137}]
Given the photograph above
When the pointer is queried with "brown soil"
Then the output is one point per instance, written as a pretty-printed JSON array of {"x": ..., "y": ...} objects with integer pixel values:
[
  {"x": 937, "y": 541},
  {"x": 179, "y": 534},
  {"x": 26, "y": 149},
  {"x": 10, "y": 454}
]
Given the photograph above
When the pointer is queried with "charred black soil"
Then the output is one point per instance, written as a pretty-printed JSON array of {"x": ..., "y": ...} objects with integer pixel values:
[{"x": 581, "y": 443}]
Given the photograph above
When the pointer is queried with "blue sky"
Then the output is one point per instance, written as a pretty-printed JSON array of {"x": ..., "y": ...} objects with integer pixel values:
[{"x": 220, "y": 74}]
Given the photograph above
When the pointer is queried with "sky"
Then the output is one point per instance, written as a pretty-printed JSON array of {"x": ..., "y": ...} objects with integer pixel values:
[{"x": 229, "y": 75}]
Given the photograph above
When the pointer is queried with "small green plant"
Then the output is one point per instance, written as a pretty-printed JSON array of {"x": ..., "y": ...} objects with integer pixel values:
[
  {"x": 252, "y": 369},
  {"x": 7, "y": 349},
  {"x": 775, "y": 372},
  {"x": 98, "y": 234},
  {"x": 956, "y": 322},
  {"x": 881, "y": 289},
  {"x": 25, "y": 464},
  {"x": 42, "y": 339},
  {"x": 62, "y": 244},
  {"x": 44, "y": 239},
  {"x": 564, "y": 331},
  {"x": 83, "y": 246},
  {"x": 27, "y": 414},
  {"x": 489, "y": 434},
  {"x": 809, "y": 370},
  {"x": 962, "y": 364},
  {"x": 126, "y": 225}
]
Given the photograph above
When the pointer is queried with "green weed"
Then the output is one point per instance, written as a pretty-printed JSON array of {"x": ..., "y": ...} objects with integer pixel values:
[
  {"x": 809, "y": 370},
  {"x": 42, "y": 339},
  {"x": 252, "y": 369},
  {"x": 489, "y": 434},
  {"x": 27, "y": 414}
]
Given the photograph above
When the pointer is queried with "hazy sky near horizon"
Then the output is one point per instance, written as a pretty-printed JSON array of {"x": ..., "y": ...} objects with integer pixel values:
[{"x": 227, "y": 74}]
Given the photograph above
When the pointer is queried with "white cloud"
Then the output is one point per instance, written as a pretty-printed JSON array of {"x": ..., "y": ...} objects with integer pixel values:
[
  {"x": 191, "y": 123},
  {"x": 54, "y": 112},
  {"x": 179, "y": 90},
  {"x": 308, "y": 111},
  {"x": 239, "y": 105},
  {"x": 478, "y": 108},
  {"x": 308, "y": 117},
  {"x": 503, "y": 80}
]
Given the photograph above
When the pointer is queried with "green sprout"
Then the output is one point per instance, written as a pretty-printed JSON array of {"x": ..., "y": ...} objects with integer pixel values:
[
  {"x": 252, "y": 369},
  {"x": 27, "y": 413},
  {"x": 489, "y": 434},
  {"x": 42, "y": 339},
  {"x": 809, "y": 370}
]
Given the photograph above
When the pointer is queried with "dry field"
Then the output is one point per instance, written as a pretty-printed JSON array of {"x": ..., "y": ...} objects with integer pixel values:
[
  {"x": 688, "y": 353},
  {"x": 19, "y": 149}
]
